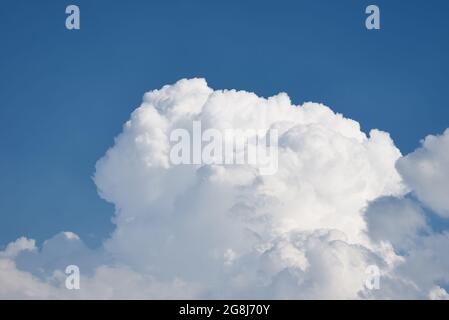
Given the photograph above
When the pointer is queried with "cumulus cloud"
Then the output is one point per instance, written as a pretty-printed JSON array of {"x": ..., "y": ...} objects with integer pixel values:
[
  {"x": 399, "y": 221},
  {"x": 426, "y": 172},
  {"x": 336, "y": 205}
]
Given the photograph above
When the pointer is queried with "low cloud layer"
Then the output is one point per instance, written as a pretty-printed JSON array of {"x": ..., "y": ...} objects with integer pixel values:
[{"x": 340, "y": 202}]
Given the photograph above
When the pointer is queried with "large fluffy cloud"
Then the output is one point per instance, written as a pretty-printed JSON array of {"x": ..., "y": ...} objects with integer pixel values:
[{"x": 336, "y": 206}]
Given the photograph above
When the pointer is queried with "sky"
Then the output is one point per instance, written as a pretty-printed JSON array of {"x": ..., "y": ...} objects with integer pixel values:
[
  {"x": 64, "y": 95},
  {"x": 363, "y": 157}
]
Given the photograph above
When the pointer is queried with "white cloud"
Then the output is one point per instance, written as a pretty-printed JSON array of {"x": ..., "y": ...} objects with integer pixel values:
[
  {"x": 16, "y": 284},
  {"x": 438, "y": 293},
  {"x": 404, "y": 222},
  {"x": 16, "y": 247},
  {"x": 227, "y": 231},
  {"x": 426, "y": 172},
  {"x": 397, "y": 220}
]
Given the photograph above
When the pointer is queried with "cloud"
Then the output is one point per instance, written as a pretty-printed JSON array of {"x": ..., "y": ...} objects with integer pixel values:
[
  {"x": 310, "y": 230},
  {"x": 397, "y": 220},
  {"x": 16, "y": 247},
  {"x": 403, "y": 222},
  {"x": 438, "y": 293},
  {"x": 426, "y": 171}
]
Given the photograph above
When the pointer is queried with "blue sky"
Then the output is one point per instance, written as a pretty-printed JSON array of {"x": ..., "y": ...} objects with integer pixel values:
[{"x": 65, "y": 94}]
